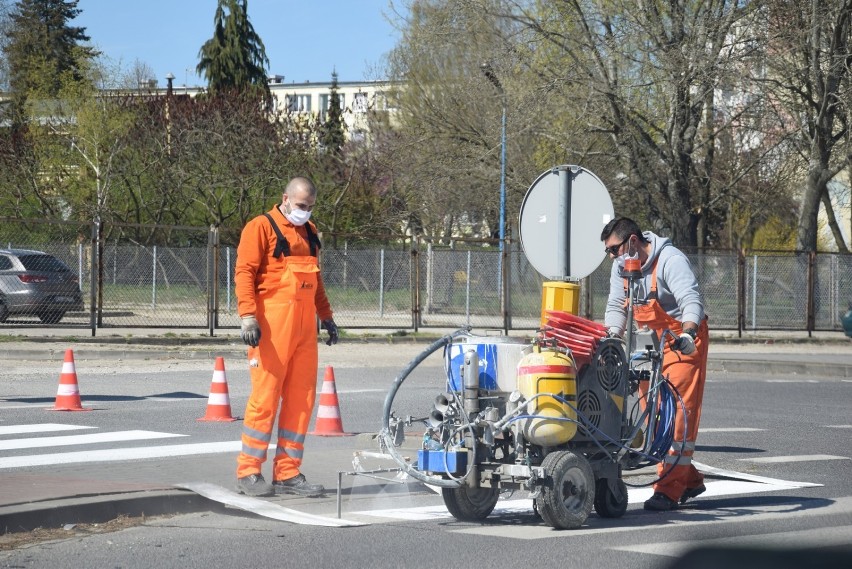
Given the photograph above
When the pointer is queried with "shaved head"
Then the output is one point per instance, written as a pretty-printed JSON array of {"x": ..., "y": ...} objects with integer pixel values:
[{"x": 300, "y": 184}]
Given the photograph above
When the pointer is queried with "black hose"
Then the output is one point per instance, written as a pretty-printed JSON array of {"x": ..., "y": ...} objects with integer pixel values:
[{"x": 385, "y": 434}]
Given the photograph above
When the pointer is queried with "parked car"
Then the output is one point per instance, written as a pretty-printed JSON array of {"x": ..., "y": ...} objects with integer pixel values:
[{"x": 33, "y": 283}]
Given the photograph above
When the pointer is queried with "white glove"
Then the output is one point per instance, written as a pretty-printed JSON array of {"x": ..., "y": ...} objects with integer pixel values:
[
  {"x": 684, "y": 344},
  {"x": 613, "y": 332},
  {"x": 250, "y": 330}
]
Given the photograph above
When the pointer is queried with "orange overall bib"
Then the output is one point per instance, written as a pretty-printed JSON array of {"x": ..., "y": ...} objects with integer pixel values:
[
  {"x": 687, "y": 373},
  {"x": 283, "y": 366}
]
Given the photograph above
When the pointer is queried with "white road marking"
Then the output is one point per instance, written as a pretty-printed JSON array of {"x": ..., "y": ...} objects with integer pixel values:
[
  {"x": 39, "y": 428},
  {"x": 111, "y": 437},
  {"x": 809, "y": 538},
  {"x": 681, "y": 518},
  {"x": 729, "y": 430},
  {"x": 263, "y": 507},
  {"x": 119, "y": 454},
  {"x": 838, "y": 426},
  {"x": 792, "y": 381},
  {"x": 799, "y": 458},
  {"x": 634, "y": 496}
]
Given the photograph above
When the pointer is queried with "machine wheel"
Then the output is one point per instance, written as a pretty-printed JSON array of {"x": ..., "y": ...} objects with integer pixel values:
[
  {"x": 606, "y": 504},
  {"x": 569, "y": 492},
  {"x": 50, "y": 317},
  {"x": 470, "y": 504}
]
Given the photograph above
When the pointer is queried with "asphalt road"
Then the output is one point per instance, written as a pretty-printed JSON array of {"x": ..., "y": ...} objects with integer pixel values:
[{"x": 782, "y": 440}]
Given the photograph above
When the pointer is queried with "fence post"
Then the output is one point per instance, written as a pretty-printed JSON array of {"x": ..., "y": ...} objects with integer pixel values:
[
  {"x": 154, "y": 278},
  {"x": 467, "y": 291},
  {"x": 94, "y": 286},
  {"x": 212, "y": 278},
  {"x": 811, "y": 317},
  {"x": 381, "y": 283},
  {"x": 740, "y": 292},
  {"x": 505, "y": 296},
  {"x": 414, "y": 271}
]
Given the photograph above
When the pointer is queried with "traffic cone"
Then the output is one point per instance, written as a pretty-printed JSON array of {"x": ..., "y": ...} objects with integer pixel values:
[
  {"x": 328, "y": 414},
  {"x": 68, "y": 393},
  {"x": 219, "y": 403}
]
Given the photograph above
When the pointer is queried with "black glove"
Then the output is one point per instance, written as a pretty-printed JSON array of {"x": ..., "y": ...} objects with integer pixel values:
[
  {"x": 331, "y": 328},
  {"x": 250, "y": 330}
]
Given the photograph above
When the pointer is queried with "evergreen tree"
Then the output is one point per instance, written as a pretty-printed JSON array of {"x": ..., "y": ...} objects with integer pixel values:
[
  {"x": 43, "y": 51},
  {"x": 332, "y": 128},
  {"x": 234, "y": 59}
]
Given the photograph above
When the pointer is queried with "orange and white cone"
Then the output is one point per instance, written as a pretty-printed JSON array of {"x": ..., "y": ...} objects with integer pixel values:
[
  {"x": 218, "y": 403},
  {"x": 68, "y": 393},
  {"x": 328, "y": 414}
]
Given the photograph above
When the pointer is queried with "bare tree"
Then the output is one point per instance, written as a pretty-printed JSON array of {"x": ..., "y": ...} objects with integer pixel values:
[{"x": 807, "y": 74}]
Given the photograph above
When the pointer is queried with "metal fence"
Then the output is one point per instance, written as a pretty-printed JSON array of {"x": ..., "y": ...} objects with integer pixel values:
[{"x": 183, "y": 277}]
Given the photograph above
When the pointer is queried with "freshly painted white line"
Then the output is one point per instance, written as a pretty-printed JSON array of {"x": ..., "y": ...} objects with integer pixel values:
[
  {"x": 791, "y": 381},
  {"x": 68, "y": 440},
  {"x": 838, "y": 426},
  {"x": 345, "y": 391},
  {"x": 712, "y": 470},
  {"x": 809, "y": 538},
  {"x": 119, "y": 454},
  {"x": 729, "y": 430},
  {"x": 685, "y": 517},
  {"x": 39, "y": 428},
  {"x": 634, "y": 496},
  {"x": 799, "y": 458},
  {"x": 263, "y": 507}
]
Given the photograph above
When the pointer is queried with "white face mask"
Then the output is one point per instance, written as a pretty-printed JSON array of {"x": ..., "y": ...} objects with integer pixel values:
[
  {"x": 298, "y": 216},
  {"x": 623, "y": 258}
]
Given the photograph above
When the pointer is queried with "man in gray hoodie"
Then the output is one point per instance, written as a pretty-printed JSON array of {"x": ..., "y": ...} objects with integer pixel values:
[{"x": 667, "y": 298}]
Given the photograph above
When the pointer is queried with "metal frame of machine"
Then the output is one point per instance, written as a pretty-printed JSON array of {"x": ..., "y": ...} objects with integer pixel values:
[{"x": 563, "y": 434}]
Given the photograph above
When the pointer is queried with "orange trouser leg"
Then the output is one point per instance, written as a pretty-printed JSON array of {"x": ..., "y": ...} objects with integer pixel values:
[
  {"x": 268, "y": 365},
  {"x": 297, "y": 404},
  {"x": 687, "y": 374}
]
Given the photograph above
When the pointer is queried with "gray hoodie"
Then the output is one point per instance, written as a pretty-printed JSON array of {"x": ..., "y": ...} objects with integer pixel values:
[{"x": 677, "y": 288}]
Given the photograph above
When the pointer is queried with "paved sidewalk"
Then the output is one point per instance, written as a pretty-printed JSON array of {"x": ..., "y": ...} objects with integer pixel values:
[{"x": 69, "y": 494}]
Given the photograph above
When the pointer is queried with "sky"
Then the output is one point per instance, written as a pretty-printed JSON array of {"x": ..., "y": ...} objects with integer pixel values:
[{"x": 305, "y": 40}]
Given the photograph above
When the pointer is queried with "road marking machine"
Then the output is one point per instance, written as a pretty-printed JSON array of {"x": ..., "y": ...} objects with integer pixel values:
[{"x": 561, "y": 416}]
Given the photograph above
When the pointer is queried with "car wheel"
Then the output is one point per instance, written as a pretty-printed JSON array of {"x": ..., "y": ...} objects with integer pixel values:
[
  {"x": 4, "y": 312},
  {"x": 51, "y": 317}
]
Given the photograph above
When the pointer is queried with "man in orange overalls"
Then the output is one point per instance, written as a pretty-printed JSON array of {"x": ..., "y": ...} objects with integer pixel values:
[
  {"x": 279, "y": 295},
  {"x": 668, "y": 298}
]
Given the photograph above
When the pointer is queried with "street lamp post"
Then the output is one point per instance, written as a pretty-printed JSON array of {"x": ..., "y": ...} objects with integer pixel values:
[{"x": 489, "y": 74}]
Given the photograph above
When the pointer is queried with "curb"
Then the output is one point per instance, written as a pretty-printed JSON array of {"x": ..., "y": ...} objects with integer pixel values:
[
  {"x": 769, "y": 367},
  {"x": 99, "y": 509}
]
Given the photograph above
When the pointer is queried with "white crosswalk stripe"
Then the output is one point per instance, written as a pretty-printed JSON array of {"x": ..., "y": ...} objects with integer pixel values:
[{"x": 94, "y": 455}]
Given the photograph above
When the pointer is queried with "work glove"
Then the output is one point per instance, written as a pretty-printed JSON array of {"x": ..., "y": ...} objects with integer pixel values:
[
  {"x": 250, "y": 330},
  {"x": 684, "y": 344},
  {"x": 331, "y": 328},
  {"x": 613, "y": 332}
]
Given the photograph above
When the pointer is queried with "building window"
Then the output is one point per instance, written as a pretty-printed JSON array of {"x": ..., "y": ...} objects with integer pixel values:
[
  {"x": 298, "y": 103},
  {"x": 360, "y": 104},
  {"x": 325, "y": 101}
]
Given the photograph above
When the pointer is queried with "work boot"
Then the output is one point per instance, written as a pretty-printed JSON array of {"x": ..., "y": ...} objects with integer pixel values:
[
  {"x": 692, "y": 492},
  {"x": 298, "y": 485},
  {"x": 659, "y": 502},
  {"x": 254, "y": 485}
]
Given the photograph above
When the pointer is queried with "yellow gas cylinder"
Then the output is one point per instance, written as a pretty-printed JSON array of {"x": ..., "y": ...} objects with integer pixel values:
[{"x": 548, "y": 370}]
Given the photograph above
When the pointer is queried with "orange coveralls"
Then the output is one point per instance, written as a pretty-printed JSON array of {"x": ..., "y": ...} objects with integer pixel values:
[
  {"x": 687, "y": 373},
  {"x": 285, "y": 294}
]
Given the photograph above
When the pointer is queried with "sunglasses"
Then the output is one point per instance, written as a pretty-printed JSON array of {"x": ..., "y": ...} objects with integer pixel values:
[{"x": 613, "y": 249}]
